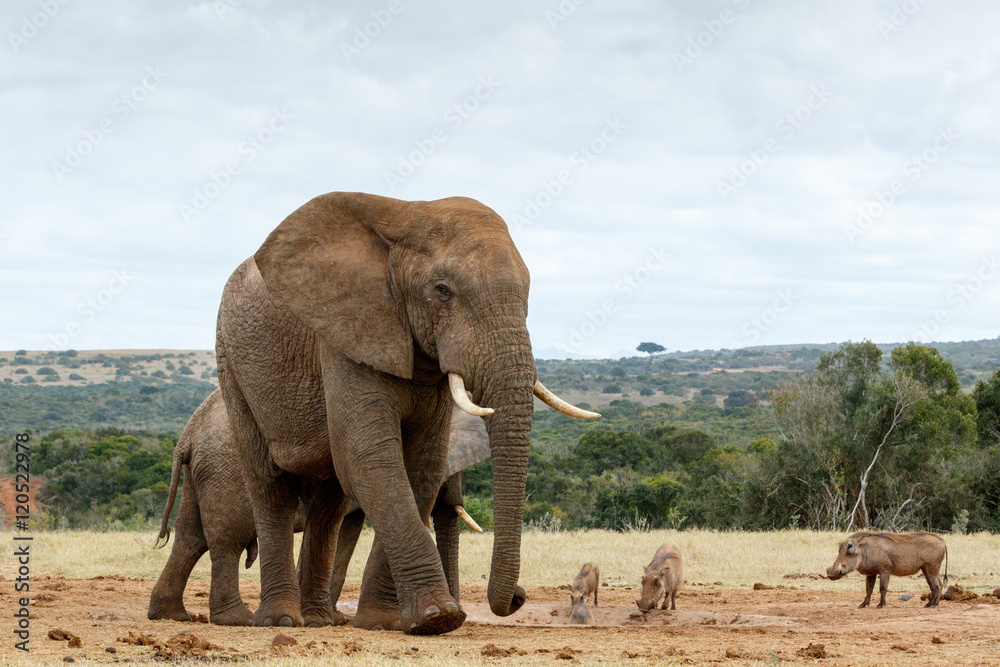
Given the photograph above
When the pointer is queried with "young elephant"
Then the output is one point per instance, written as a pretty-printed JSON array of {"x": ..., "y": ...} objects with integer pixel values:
[
  {"x": 215, "y": 516},
  {"x": 887, "y": 554},
  {"x": 663, "y": 576},
  {"x": 585, "y": 583}
]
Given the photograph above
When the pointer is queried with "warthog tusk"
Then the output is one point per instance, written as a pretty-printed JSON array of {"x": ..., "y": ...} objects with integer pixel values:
[
  {"x": 427, "y": 522},
  {"x": 462, "y": 400},
  {"x": 562, "y": 406},
  {"x": 464, "y": 516}
]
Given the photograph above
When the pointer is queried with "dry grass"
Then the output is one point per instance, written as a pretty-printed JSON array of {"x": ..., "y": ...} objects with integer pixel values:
[{"x": 736, "y": 559}]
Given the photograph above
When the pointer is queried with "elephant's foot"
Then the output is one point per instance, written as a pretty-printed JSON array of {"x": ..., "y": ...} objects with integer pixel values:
[
  {"x": 317, "y": 620},
  {"x": 238, "y": 615},
  {"x": 433, "y": 615},
  {"x": 278, "y": 613},
  {"x": 318, "y": 613},
  {"x": 169, "y": 614},
  {"x": 372, "y": 618},
  {"x": 340, "y": 618}
]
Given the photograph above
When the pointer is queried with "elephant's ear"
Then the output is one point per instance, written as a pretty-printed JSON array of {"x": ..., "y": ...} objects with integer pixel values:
[
  {"x": 468, "y": 442},
  {"x": 329, "y": 263}
]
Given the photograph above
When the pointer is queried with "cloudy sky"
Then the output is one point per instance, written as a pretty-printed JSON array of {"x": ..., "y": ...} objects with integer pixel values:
[{"x": 698, "y": 174}]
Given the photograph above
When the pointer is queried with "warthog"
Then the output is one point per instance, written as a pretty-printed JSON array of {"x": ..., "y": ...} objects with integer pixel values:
[
  {"x": 887, "y": 554},
  {"x": 581, "y": 614},
  {"x": 663, "y": 577},
  {"x": 585, "y": 583}
]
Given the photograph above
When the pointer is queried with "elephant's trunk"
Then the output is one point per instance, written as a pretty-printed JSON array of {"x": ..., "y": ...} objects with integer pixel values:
[{"x": 507, "y": 385}]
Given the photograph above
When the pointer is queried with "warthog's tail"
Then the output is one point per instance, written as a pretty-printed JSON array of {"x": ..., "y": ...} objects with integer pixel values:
[{"x": 946, "y": 563}]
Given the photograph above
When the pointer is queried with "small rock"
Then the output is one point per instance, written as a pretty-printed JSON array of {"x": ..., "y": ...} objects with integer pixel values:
[
  {"x": 762, "y": 587},
  {"x": 111, "y": 649},
  {"x": 906, "y": 596},
  {"x": 74, "y": 642},
  {"x": 284, "y": 640},
  {"x": 68, "y": 659},
  {"x": 937, "y": 640},
  {"x": 996, "y": 593}
]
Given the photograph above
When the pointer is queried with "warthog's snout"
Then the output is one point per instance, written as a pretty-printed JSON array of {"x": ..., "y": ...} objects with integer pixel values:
[{"x": 834, "y": 573}]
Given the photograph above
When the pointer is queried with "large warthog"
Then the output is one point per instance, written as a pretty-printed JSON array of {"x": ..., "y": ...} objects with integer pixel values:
[
  {"x": 887, "y": 554},
  {"x": 585, "y": 583},
  {"x": 663, "y": 577}
]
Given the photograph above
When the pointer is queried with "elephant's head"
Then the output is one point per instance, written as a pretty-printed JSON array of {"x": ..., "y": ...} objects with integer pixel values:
[{"x": 400, "y": 286}]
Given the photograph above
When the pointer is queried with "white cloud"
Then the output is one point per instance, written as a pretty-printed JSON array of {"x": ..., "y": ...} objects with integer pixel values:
[{"x": 654, "y": 185}]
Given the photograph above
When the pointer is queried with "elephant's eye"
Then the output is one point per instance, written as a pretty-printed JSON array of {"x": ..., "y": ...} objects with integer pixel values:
[{"x": 443, "y": 291}]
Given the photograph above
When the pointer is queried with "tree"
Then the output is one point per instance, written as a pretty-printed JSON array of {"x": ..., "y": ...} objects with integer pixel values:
[{"x": 650, "y": 349}]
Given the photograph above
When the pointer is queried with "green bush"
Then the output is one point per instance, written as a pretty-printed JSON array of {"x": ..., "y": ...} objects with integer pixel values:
[{"x": 481, "y": 511}]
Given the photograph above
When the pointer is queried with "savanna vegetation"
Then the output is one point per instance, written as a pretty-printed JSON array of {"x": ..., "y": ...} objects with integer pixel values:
[{"x": 856, "y": 435}]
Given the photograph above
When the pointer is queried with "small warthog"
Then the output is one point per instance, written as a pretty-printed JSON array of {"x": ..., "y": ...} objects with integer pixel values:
[
  {"x": 663, "y": 577},
  {"x": 581, "y": 615},
  {"x": 585, "y": 583},
  {"x": 887, "y": 554}
]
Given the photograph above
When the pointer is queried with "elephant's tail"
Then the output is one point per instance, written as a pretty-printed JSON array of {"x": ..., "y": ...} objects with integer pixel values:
[
  {"x": 251, "y": 552},
  {"x": 181, "y": 455}
]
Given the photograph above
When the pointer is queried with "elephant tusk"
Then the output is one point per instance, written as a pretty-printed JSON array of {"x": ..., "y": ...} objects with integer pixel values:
[
  {"x": 464, "y": 516},
  {"x": 462, "y": 400},
  {"x": 562, "y": 406}
]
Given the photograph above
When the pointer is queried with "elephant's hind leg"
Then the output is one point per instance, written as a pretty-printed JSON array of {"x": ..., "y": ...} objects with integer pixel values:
[
  {"x": 274, "y": 496},
  {"x": 225, "y": 606},
  {"x": 326, "y": 507},
  {"x": 167, "y": 599}
]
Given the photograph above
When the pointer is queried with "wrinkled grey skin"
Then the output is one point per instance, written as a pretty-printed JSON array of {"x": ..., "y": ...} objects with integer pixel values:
[
  {"x": 215, "y": 516},
  {"x": 334, "y": 342}
]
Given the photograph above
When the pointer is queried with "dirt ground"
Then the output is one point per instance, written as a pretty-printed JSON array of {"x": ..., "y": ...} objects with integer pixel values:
[{"x": 712, "y": 624}]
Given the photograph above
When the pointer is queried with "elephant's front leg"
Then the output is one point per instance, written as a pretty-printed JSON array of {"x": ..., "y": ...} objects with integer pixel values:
[
  {"x": 326, "y": 505},
  {"x": 446, "y": 530},
  {"x": 369, "y": 448}
]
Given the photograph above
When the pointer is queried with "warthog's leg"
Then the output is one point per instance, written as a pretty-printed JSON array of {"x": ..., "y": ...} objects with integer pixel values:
[
  {"x": 595, "y": 597},
  {"x": 869, "y": 587},
  {"x": 883, "y": 588},
  {"x": 673, "y": 600},
  {"x": 935, "y": 583}
]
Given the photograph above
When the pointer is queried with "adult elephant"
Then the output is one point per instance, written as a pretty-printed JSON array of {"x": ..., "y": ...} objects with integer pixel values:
[{"x": 340, "y": 346}]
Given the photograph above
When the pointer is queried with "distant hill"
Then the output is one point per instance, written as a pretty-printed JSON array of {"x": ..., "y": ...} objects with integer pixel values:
[{"x": 158, "y": 389}]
